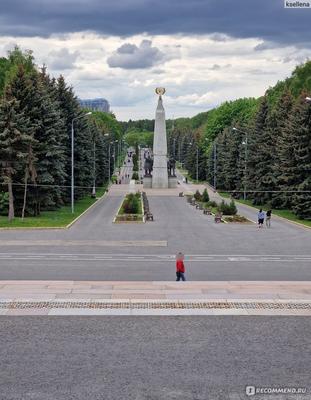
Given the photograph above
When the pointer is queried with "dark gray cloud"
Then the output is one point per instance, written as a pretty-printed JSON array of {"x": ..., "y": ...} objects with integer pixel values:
[
  {"x": 130, "y": 56},
  {"x": 266, "y": 19}
]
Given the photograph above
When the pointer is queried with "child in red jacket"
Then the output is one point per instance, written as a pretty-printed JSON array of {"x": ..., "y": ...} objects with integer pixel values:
[{"x": 180, "y": 268}]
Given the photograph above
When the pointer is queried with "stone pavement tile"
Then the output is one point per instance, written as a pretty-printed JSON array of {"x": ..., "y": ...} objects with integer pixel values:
[
  {"x": 216, "y": 291},
  {"x": 137, "y": 296},
  {"x": 3, "y": 311},
  {"x": 28, "y": 311},
  {"x": 116, "y": 292},
  {"x": 280, "y": 312},
  {"x": 34, "y": 291},
  {"x": 33, "y": 282},
  {"x": 79, "y": 311},
  {"x": 297, "y": 296},
  {"x": 23, "y": 286},
  {"x": 172, "y": 312},
  {"x": 24, "y": 295},
  {"x": 83, "y": 296},
  {"x": 100, "y": 286},
  {"x": 135, "y": 285},
  {"x": 68, "y": 286},
  {"x": 186, "y": 296},
  {"x": 257, "y": 296},
  {"x": 94, "y": 291},
  {"x": 180, "y": 291},
  {"x": 293, "y": 300},
  {"x": 229, "y": 311}
]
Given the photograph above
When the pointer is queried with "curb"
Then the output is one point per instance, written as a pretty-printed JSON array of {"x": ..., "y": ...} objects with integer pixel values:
[{"x": 85, "y": 211}]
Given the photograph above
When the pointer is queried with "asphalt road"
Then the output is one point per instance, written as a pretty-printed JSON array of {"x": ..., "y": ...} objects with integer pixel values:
[
  {"x": 91, "y": 249},
  {"x": 154, "y": 358}
]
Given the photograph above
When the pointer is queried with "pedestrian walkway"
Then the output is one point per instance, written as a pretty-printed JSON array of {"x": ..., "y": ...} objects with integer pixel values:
[{"x": 154, "y": 298}]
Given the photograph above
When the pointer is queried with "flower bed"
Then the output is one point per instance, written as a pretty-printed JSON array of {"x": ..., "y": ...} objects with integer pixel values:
[
  {"x": 240, "y": 219},
  {"x": 131, "y": 209}
]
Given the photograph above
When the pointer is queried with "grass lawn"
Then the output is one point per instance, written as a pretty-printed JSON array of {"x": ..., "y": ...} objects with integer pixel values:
[
  {"x": 52, "y": 219},
  {"x": 281, "y": 213}
]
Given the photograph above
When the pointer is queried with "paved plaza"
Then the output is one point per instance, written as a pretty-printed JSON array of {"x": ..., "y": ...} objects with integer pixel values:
[
  {"x": 96, "y": 312},
  {"x": 152, "y": 358},
  {"x": 96, "y": 249}
]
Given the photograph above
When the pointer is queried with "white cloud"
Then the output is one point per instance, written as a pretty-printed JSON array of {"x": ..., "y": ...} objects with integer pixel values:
[
  {"x": 199, "y": 72},
  {"x": 63, "y": 59}
]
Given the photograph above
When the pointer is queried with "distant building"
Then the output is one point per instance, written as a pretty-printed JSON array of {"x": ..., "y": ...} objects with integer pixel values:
[{"x": 95, "y": 104}]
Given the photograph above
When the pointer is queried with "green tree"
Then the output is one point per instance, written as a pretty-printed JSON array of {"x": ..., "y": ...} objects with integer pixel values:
[
  {"x": 14, "y": 141},
  {"x": 300, "y": 123}
]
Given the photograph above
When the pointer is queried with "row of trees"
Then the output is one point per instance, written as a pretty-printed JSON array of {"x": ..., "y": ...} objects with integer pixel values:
[
  {"x": 36, "y": 117},
  {"x": 261, "y": 145}
]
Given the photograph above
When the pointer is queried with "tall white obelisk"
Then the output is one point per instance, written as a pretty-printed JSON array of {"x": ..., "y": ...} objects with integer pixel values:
[{"x": 160, "y": 173}]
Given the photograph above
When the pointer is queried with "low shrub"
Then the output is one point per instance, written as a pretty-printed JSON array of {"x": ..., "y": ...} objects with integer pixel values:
[
  {"x": 205, "y": 196},
  {"x": 236, "y": 218},
  {"x": 197, "y": 196},
  {"x": 227, "y": 209},
  {"x": 131, "y": 204},
  {"x": 212, "y": 204},
  {"x": 135, "y": 176}
]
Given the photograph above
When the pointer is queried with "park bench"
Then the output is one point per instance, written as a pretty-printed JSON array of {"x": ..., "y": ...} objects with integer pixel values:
[
  {"x": 218, "y": 218},
  {"x": 149, "y": 216},
  {"x": 207, "y": 211}
]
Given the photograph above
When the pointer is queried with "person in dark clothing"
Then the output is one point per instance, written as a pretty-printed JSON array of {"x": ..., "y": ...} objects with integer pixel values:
[
  {"x": 180, "y": 268},
  {"x": 268, "y": 218}
]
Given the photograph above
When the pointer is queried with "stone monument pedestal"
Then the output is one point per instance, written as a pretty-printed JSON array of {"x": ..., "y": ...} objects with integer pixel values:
[
  {"x": 172, "y": 182},
  {"x": 147, "y": 182}
]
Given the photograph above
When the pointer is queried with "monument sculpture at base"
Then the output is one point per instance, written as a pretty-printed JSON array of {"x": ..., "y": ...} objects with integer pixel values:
[{"x": 160, "y": 176}]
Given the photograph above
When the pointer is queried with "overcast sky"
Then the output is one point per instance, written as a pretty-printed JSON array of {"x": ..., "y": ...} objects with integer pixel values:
[{"x": 202, "y": 51}]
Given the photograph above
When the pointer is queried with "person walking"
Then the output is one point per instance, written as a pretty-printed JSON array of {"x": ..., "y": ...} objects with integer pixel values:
[
  {"x": 180, "y": 267},
  {"x": 261, "y": 218},
  {"x": 268, "y": 218}
]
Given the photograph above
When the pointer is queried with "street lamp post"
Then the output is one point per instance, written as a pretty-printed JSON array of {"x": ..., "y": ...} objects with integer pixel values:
[
  {"x": 72, "y": 159},
  {"x": 174, "y": 147},
  {"x": 94, "y": 170},
  {"x": 215, "y": 165},
  {"x": 114, "y": 154},
  {"x": 245, "y": 143},
  {"x": 197, "y": 172},
  {"x": 197, "y": 161}
]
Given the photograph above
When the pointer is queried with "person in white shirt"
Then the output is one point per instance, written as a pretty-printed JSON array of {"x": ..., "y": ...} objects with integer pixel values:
[{"x": 261, "y": 218}]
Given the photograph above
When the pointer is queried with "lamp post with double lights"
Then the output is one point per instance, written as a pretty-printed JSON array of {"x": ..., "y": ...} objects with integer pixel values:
[
  {"x": 174, "y": 147},
  {"x": 197, "y": 161},
  {"x": 245, "y": 143},
  {"x": 114, "y": 155},
  {"x": 215, "y": 165},
  {"x": 72, "y": 158}
]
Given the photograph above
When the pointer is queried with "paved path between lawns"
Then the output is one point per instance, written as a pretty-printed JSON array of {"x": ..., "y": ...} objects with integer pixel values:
[{"x": 154, "y": 298}]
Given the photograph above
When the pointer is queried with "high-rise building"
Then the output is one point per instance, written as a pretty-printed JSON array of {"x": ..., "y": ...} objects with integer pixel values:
[{"x": 95, "y": 104}]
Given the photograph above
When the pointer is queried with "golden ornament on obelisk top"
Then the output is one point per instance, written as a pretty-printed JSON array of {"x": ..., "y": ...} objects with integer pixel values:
[{"x": 160, "y": 91}]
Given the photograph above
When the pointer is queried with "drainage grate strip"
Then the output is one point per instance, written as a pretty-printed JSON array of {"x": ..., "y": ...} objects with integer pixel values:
[{"x": 154, "y": 305}]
